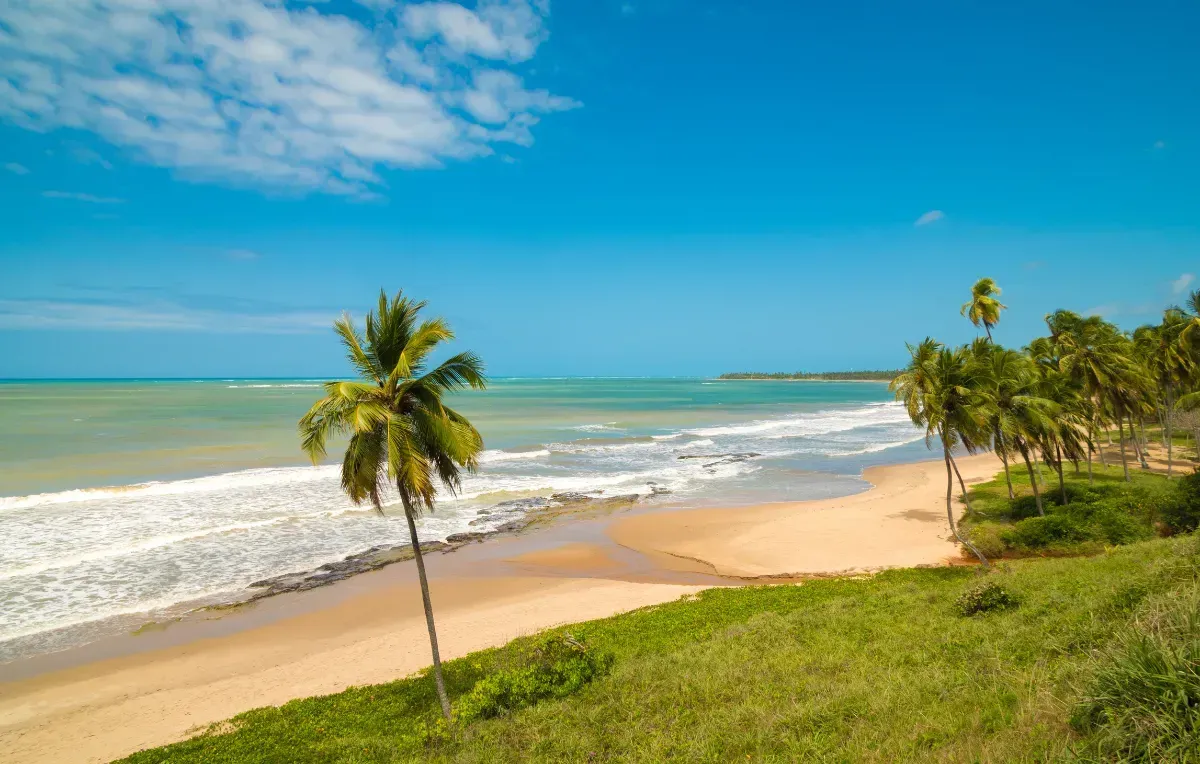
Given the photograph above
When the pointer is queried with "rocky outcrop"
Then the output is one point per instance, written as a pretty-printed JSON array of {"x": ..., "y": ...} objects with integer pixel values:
[{"x": 524, "y": 513}]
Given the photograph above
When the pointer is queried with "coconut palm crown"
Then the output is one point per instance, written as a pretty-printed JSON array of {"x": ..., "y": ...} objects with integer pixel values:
[
  {"x": 983, "y": 309},
  {"x": 401, "y": 433},
  {"x": 399, "y": 427}
]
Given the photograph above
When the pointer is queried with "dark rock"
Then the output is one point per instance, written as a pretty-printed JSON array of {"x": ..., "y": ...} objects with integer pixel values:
[{"x": 466, "y": 538}]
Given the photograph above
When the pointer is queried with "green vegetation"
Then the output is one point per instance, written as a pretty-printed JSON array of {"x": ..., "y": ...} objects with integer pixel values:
[
  {"x": 821, "y": 376},
  {"x": 1049, "y": 404},
  {"x": 397, "y": 425},
  {"x": 885, "y": 668},
  {"x": 1099, "y": 512}
]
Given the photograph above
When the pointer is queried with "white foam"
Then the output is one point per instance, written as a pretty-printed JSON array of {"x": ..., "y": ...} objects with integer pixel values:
[
  {"x": 596, "y": 427},
  {"x": 253, "y": 387},
  {"x": 809, "y": 424},
  {"x": 229, "y": 480},
  {"x": 491, "y": 456}
]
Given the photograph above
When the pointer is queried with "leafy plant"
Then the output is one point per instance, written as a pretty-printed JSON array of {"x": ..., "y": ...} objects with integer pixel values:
[
  {"x": 1144, "y": 700},
  {"x": 1183, "y": 515},
  {"x": 558, "y": 666},
  {"x": 985, "y": 598}
]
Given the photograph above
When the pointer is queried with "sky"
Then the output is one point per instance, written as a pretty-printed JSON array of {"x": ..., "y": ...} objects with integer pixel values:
[{"x": 197, "y": 188}]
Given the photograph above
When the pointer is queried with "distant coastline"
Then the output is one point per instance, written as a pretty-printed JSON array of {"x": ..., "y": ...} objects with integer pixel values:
[{"x": 820, "y": 376}]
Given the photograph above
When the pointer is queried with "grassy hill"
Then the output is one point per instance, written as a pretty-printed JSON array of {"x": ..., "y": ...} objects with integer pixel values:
[{"x": 1090, "y": 658}]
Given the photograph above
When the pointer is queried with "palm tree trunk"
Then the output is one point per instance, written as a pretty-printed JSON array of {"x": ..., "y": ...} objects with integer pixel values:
[
  {"x": 966, "y": 498},
  {"x": 1037, "y": 495},
  {"x": 1004, "y": 458},
  {"x": 1121, "y": 439},
  {"x": 1137, "y": 448},
  {"x": 950, "y": 470},
  {"x": 1062, "y": 488},
  {"x": 433, "y": 645},
  {"x": 1166, "y": 420},
  {"x": 1090, "y": 478}
]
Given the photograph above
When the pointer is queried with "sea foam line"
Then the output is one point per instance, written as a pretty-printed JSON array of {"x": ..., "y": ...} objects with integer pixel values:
[{"x": 223, "y": 481}]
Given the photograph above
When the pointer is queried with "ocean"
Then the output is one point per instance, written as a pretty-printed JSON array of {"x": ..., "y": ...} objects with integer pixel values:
[{"x": 124, "y": 501}]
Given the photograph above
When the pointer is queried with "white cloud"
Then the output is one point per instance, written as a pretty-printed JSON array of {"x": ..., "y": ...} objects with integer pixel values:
[
  {"x": 17, "y": 169},
  {"x": 497, "y": 29},
  {"x": 241, "y": 254},
  {"x": 85, "y": 155},
  {"x": 1104, "y": 311},
  {"x": 1160, "y": 144},
  {"x": 154, "y": 315},
  {"x": 89, "y": 198},
  {"x": 1181, "y": 284},
  {"x": 929, "y": 217},
  {"x": 261, "y": 93}
]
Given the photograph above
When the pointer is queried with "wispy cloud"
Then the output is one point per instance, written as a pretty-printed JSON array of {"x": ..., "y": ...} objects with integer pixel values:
[
  {"x": 1034, "y": 265},
  {"x": 77, "y": 197},
  {"x": 627, "y": 9},
  {"x": 84, "y": 155},
  {"x": 929, "y": 217},
  {"x": 1181, "y": 284},
  {"x": 17, "y": 169},
  {"x": 242, "y": 254},
  {"x": 278, "y": 96},
  {"x": 154, "y": 315},
  {"x": 1160, "y": 144},
  {"x": 1104, "y": 311}
]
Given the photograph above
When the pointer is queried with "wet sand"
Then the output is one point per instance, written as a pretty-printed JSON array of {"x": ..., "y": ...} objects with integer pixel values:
[
  {"x": 901, "y": 522},
  {"x": 118, "y": 696}
]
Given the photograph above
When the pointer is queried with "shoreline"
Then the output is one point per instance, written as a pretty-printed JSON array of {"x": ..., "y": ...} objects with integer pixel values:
[{"x": 132, "y": 692}]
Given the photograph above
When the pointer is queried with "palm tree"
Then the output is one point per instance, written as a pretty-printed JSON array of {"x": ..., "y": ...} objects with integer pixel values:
[
  {"x": 1095, "y": 354},
  {"x": 940, "y": 392},
  {"x": 1169, "y": 365},
  {"x": 1018, "y": 413},
  {"x": 400, "y": 432},
  {"x": 983, "y": 309}
]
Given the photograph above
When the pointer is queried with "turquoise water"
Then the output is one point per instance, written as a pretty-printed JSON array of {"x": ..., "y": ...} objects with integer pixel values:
[{"x": 122, "y": 497}]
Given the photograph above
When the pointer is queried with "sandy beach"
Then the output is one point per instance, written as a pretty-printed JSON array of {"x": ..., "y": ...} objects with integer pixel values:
[
  {"x": 900, "y": 522},
  {"x": 373, "y": 632}
]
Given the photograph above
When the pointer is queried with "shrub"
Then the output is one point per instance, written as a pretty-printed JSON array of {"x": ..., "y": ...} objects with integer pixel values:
[
  {"x": 985, "y": 598},
  {"x": 1116, "y": 524},
  {"x": 1144, "y": 700},
  {"x": 988, "y": 538},
  {"x": 1183, "y": 515},
  {"x": 556, "y": 667},
  {"x": 1041, "y": 532}
]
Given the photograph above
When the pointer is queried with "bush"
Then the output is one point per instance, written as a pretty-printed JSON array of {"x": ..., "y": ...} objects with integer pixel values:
[
  {"x": 557, "y": 666},
  {"x": 1115, "y": 523},
  {"x": 988, "y": 538},
  {"x": 1144, "y": 702},
  {"x": 985, "y": 598},
  {"x": 1041, "y": 532},
  {"x": 1183, "y": 515}
]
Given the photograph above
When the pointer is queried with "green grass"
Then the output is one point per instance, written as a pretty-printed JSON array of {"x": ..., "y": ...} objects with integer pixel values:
[{"x": 872, "y": 669}]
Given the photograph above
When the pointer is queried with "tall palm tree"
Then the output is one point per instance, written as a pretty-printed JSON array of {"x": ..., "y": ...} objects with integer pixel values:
[
  {"x": 983, "y": 309},
  {"x": 401, "y": 434},
  {"x": 1169, "y": 365},
  {"x": 1095, "y": 353},
  {"x": 941, "y": 392},
  {"x": 1017, "y": 412}
]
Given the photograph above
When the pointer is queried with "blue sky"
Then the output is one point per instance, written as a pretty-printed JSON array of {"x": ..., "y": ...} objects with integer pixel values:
[{"x": 196, "y": 188}]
